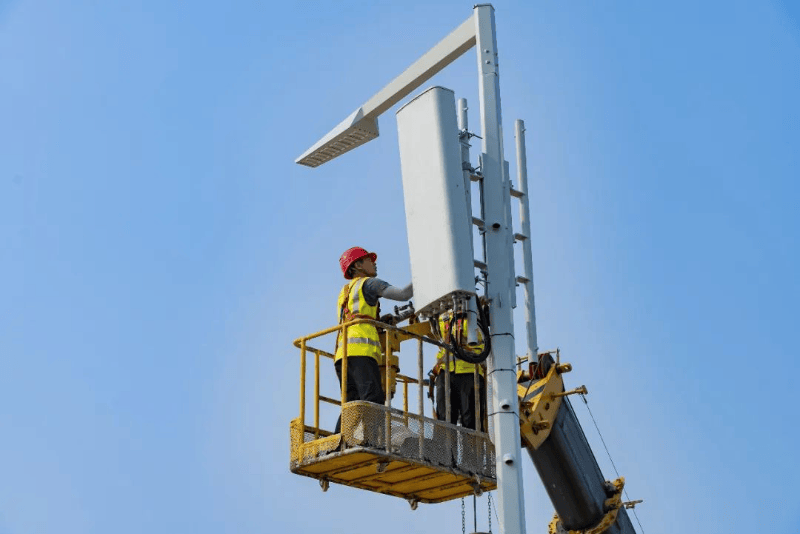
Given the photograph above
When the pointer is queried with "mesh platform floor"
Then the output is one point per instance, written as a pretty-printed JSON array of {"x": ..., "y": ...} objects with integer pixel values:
[{"x": 427, "y": 460}]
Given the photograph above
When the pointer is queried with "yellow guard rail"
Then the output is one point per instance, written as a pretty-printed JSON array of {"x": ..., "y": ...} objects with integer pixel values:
[{"x": 382, "y": 449}]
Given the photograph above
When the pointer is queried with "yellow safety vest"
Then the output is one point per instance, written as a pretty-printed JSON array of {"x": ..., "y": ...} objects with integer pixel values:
[
  {"x": 460, "y": 365},
  {"x": 362, "y": 339}
]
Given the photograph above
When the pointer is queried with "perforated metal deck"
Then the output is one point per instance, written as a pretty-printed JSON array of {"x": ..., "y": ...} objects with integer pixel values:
[{"x": 427, "y": 461}]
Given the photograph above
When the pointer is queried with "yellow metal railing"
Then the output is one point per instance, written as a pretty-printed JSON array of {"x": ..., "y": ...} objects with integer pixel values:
[
  {"x": 391, "y": 337},
  {"x": 426, "y": 460}
]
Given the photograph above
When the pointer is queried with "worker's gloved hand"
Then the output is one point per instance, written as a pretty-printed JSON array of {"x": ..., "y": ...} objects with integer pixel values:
[{"x": 388, "y": 318}]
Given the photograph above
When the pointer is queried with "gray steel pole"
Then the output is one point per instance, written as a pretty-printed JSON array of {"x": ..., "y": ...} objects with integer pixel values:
[
  {"x": 463, "y": 126},
  {"x": 505, "y": 407},
  {"x": 524, "y": 219}
]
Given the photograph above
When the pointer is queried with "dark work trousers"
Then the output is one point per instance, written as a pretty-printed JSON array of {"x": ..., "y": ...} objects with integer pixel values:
[
  {"x": 462, "y": 398},
  {"x": 363, "y": 381}
]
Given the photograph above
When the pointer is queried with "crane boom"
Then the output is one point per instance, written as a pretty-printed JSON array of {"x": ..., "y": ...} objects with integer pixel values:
[
  {"x": 572, "y": 477},
  {"x": 551, "y": 433}
]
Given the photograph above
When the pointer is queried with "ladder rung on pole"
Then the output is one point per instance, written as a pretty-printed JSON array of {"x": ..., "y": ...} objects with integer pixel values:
[
  {"x": 520, "y": 237},
  {"x": 480, "y": 264},
  {"x": 522, "y": 280}
]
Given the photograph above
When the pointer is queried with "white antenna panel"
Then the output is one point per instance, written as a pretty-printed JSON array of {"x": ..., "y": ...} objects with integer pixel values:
[{"x": 438, "y": 217}]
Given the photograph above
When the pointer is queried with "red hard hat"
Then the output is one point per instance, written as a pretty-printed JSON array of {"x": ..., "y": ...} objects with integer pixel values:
[{"x": 352, "y": 255}]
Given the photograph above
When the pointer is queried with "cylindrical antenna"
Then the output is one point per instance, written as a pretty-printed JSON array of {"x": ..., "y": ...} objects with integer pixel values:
[{"x": 524, "y": 219}]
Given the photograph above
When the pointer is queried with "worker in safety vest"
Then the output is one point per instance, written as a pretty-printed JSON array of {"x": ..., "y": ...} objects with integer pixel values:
[
  {"x": 462, "y": 378},
  {"x": 358, "y": 299}
]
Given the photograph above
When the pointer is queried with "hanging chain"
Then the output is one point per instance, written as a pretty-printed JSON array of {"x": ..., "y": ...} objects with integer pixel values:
[
  {"x": 463, "y": 525},
  {"x": 489, "y": 503}
]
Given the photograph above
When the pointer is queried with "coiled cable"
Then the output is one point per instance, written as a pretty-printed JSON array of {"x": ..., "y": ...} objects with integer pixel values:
[{"x": 463, "y": 353}]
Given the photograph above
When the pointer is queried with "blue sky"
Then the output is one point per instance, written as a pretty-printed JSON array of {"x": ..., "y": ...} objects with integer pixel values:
[{"x": 160, "y": 250}]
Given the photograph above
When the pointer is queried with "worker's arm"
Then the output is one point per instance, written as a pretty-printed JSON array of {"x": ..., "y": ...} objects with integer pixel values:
[
  {"x": 374, "y": 288},
  {"x": 395, "y": 293}
]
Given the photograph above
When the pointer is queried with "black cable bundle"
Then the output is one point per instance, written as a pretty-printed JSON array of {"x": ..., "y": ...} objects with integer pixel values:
[{"x": 467, "y": 355}]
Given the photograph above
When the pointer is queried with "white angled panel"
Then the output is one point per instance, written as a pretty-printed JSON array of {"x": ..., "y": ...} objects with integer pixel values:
[{"x": 438, "y": 216}]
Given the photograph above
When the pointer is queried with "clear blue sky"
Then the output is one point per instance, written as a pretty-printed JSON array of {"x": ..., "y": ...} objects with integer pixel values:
[{"x": 160, "y": 250}]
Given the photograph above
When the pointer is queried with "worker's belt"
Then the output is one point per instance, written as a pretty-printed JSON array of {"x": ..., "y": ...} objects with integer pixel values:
[{"x": 349, "y": 317}]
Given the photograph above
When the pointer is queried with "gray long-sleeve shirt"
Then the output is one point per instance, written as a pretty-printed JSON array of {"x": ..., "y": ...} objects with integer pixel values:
[{"x": 374, "y": 288}]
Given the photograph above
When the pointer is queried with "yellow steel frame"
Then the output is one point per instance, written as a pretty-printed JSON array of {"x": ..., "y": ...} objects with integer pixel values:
[
  {"x": 611, "y": 505},
  {"x": 538, "y": 411},
  {"x": 328, "y": 458}
]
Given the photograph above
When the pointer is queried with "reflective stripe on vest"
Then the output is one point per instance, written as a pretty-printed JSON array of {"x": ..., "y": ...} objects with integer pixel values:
[
  {"x": 460, "y": 365},
  {"x": 362, "y": 339}
]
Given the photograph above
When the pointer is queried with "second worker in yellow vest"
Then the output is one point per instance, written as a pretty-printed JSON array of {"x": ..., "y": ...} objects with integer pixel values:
[
  {"x": 358, "y": 299},
  {"x": 462, "y": 378}
]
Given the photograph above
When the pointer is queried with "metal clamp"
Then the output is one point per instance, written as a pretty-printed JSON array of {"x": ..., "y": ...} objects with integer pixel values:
[{"x": 612, "y": 506}]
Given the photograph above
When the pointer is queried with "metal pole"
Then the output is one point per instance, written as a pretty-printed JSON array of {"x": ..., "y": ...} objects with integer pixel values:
[
  {"x": 388, "y": 393},
  {"x": 505, "y": 416},
  {"x": 316, "y": 394},
  {"x": 420, "y": 370},
  {"x": 447, "y": 407},
  {"x": 451, "y": 438},
  {"x": 463, "y": 126},
  {"x": 476, "y": 391},
  {"x": 421, "y": 397},
  {"x": 344, "y": 385},
  {"x": 524, "y": 219},
  {"x": 303, "y": 386}
]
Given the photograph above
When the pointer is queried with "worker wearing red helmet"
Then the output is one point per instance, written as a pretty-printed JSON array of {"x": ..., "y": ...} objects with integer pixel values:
[{"x": 358, "y": 299}]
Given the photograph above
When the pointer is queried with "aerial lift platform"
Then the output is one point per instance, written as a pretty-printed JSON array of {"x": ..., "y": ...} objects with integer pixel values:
[{"x": 383, "y": 449}]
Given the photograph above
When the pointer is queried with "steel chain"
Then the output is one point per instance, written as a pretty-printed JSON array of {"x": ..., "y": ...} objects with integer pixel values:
[
  {"x": 463, "y": 524},
  {"x": 489, "y": 503}
]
